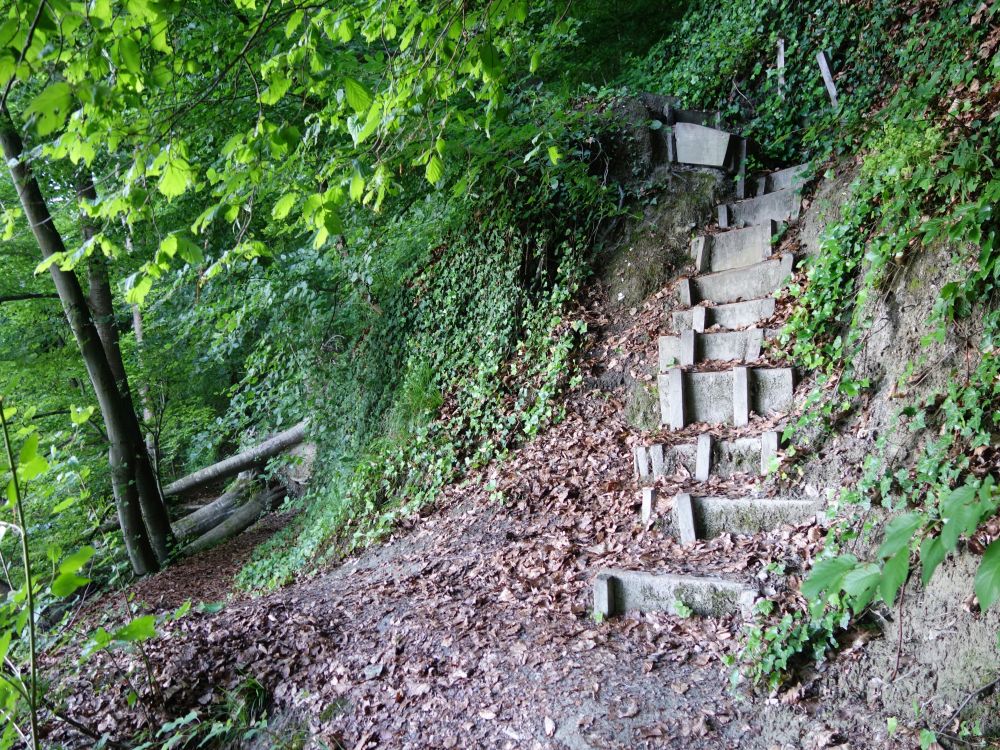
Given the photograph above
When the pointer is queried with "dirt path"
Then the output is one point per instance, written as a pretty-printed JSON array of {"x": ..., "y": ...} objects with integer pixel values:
[{"x": 472, "y": 626}]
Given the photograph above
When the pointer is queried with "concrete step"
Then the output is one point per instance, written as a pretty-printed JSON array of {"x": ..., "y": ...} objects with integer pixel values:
[
  {"x": 751, "y": 282},
  {"x": 704, "y": 147},
  {"x": 736, "y": 248},
  {"x": 620, "y": 591},
  {"x": 726, "y": 397},
  {"x": 791, "y": 177},
  {"x": 781, "y": 205},
  {"x": 733, "y": 315},
  {"x": 692, "y": 347},
  {"x": 707, "y": 457},
  {"x": 708, "y": 517}
]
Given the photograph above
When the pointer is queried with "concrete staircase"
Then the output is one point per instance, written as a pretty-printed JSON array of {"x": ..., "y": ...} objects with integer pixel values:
[{"x": 719, "y": 318}]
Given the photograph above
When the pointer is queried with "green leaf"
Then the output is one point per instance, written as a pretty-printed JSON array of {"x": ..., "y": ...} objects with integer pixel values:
[
  {"x": 554, "y": 155},
  {"x": 961, "y": 512},
  {"x": 277, "y": 87},
  {"x": 51, "y": 107},
  {"x": 898, "y": 533},
  {"x": 827, "y": 575},
  {"x": 489, "y": 56},
  {"x": 140, "y": 629},
  {"x": 894, "y": 574},
  {"x": 80, "y": 415},
  {"x": 73, "y": 563},
  {"x": 283, "y": 206},
  {"x": 932, "y": 553},
  {"x": 435, "y": 170},
  {"x": 988, "y": 577},
  {"x": 176, "y": 176},
  {"x": 29, "y": 450},
  {"x": 861, "y": 583},
  {"x": 128, "y": 50},
  {"x": 66, "y": 583},
  {"x": 357, "y": 96},
  {"x": 137, "y": 286},
  {"x": 357, "y": 186}
]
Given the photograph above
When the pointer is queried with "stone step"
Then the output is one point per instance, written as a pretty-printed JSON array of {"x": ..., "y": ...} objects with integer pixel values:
[
  {"x": 733, "y": 249},
  {"x": 733, "y": 315},
  {"x": 791, "y": 177},
  {"x": 692, "y": 347},
  {"x": 708, "y": 517},
  {"x": 707, "y": 457},
  {"x": 751, "y": 282},
  {"x": 619, "y": 591},
  {"x": 702, "y": 146},
  {"x": 781, "y": 205},
  {"x": 726, "y": 397}
]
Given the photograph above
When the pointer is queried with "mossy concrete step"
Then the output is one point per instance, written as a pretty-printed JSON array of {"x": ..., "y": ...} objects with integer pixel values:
[
  {"x": 702, "y": 146},
  {"x": 750, "y": 282},
  {"x": 707, "y": 457},
  {"x": 708, "y": 517},
  {"x": 783, "y": 179},
  {"x": 726, "y": 397},
  {"x": 781, "y": 205},
  {"x": 732, "y": 315},
  {"x": 619, "y": 591},
  {"x": 692, "y": 347},
  {"x": 736, "y": 248}
]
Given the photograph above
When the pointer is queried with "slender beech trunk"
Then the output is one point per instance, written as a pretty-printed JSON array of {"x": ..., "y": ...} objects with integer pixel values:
[
  {"x": 102, "y": 310},
  {"x": 152, "y": 443},
  {"x": 119, "y": 418}
]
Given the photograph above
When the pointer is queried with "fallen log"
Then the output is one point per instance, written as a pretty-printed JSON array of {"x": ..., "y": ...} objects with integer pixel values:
[
  {"x": 244, "y": 517},
  {"x": 209, "y": 516},
  {"x": 248, "y": 459}
]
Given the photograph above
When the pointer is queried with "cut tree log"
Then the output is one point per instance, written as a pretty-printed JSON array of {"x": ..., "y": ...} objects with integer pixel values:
[
  {"x": 248, "y": 459},
  {"x": 209, "y": 516},
  {"x": 244, "y": 517}
]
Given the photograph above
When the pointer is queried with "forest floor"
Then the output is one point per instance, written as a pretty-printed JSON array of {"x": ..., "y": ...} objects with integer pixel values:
[{"x": 471, "y": 626}]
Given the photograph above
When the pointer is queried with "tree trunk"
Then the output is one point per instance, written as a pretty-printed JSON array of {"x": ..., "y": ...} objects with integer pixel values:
[
  {"x": 103, "y": 313},
  {"x": 247, "y": 515},
  {"x": 119, "y": 417},
  {"x": 248, "y": 459},
  {"x": 140, "y": 551},
  {"x": 205, "y": 518},
  {"x": 152, "y": 440}
]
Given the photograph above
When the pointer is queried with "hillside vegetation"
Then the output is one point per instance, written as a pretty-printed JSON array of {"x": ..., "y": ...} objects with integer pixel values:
[{"x": 399, "y": 223}]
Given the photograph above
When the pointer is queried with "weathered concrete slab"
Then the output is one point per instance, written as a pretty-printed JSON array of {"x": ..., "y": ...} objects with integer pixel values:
[
  {"x": 703, "y": 458},
  {"x": 749, "y": 282},
  {"x": 781, "y": 205},
  {"x": 701, "y": 146},
  {"x": 640, "y": 462},
  {"x": 783, "y": 179},
  {"x": 620, "y": 591},
  {"x": 708, "y": 396},
  {"x": 708, "y": 517},
  {"x": 674, "y": 115},
  {"x": 690, "y": 347},
  {"x": 732, "y": 315},
  {"x": 649, "y": 498},
  {"x": 738, "y": 248},
  {"x": 769, "y": 444}
]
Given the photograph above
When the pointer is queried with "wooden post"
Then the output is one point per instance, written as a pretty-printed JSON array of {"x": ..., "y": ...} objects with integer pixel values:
[
  {"x": 824, "y": 69},
  {"x": 781, "y": 68}
]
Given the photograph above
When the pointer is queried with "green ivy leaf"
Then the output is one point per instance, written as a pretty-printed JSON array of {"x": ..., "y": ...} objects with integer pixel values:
[{"x": 988, "y": 577}]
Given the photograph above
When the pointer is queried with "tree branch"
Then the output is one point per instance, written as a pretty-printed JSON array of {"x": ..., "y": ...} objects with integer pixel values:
[{"x": 26, "y": 296}]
